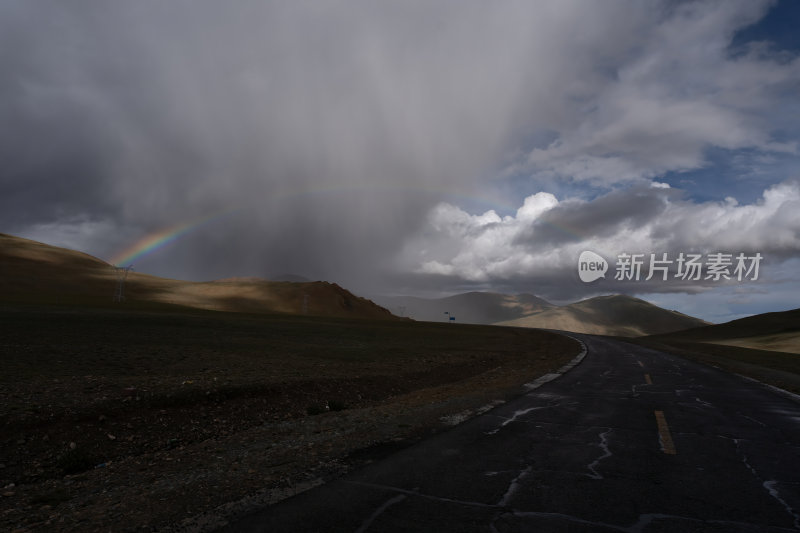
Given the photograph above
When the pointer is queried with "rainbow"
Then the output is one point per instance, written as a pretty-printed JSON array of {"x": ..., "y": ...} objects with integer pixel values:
[{"x": 161, "y": 238}]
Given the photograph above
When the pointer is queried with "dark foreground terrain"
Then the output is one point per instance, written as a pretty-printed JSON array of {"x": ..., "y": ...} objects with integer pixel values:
[
  {"x": 631, "y": 440},
  {"x": 122, "y": 420}
]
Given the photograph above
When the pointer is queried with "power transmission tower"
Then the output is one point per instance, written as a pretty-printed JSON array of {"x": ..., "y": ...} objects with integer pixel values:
[{"x": 122, "y": 275}]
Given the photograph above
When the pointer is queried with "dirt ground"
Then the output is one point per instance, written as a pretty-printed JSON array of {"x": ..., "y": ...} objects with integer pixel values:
[{"x": 144, "y": 421}]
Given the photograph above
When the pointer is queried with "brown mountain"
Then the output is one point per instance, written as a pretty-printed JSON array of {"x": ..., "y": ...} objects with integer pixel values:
[
  {"x": 768, "y": 331},
  {"x": 467, "y": 308},
  {"x": 35, "y": 273},
  {"x": 609, "y": 315}
]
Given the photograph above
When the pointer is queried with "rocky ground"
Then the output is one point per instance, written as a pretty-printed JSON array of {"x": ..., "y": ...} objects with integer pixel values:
[{"x": 153, "y": 444}]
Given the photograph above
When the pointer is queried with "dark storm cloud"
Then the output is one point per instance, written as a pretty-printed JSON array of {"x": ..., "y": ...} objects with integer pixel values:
[
  {"x": 334, "y": 129},
  {"x": 602, "y": 218},
  {"x": 147, "y": 114}
]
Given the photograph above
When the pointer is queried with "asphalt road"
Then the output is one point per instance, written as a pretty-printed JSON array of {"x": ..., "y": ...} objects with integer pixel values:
[{"x": 631, "y": 439}]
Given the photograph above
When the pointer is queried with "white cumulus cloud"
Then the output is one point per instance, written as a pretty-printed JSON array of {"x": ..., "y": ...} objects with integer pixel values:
[{"x": 543, "y": 240}]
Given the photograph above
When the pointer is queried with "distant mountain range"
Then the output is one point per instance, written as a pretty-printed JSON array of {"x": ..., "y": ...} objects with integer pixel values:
[
  {"x": 467, "y": 308},
  {"x": 35, "y": 273},
  {"x": 610, "y": 315},
  {"x": 603, "y": 315}
]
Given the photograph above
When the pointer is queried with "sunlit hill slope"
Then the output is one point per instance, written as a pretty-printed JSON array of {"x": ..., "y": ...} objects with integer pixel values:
[
  {"x": 610, "y": 315},
  {"x": 36, "y": 273}
]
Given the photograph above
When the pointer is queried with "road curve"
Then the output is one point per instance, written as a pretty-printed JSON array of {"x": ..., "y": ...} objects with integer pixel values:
[{"x": 631, "y": 440}]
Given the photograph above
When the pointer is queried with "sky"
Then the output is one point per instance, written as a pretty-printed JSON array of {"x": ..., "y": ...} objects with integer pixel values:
[{"x": 412, "y": 148}]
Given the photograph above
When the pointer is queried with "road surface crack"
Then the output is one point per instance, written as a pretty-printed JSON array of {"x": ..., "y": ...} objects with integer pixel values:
[
  {"x": 769, "y": 485},
  {"x": 516, "y": 415},
  {"x": 603, "y": 445},
  {"x": 514, "y": 486},
  {"x": 388, "y": 503},
  {"x": 422, "y": 495}
]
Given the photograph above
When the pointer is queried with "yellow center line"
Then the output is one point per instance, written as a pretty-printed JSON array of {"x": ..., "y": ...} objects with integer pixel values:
[
  {"x": 647, "y": 379},
  {"x": 667, "y": 446}
]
